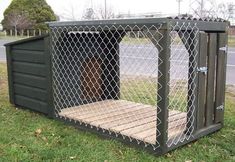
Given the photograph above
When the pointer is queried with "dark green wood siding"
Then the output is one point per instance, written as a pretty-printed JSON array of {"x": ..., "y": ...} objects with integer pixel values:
[{"x": 28, "y": 73}]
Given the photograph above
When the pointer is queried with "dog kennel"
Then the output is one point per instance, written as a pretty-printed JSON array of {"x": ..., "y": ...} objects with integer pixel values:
[{"x": 158, "y": 83}]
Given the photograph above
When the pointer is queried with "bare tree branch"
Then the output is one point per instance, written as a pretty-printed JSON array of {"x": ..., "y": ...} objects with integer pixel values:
[
  {"x": 18, "y": 21},
  {"x": 208, "y": 8},
  {"x": 226, "y": 10},
  {"x": 89, "y": 14},
  {"x": 203, "y": 8},
  {"x": 101, "y": 14},
  {"x": 69, "y": 13}
]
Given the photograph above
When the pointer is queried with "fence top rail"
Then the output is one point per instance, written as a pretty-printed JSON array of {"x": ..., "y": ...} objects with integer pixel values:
[{"x": 203, "y": 25}]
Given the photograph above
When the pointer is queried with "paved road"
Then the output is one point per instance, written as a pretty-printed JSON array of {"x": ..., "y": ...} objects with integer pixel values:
[
  {"x": 143, "y": 59},
  {"x": 2, "y": 49}
]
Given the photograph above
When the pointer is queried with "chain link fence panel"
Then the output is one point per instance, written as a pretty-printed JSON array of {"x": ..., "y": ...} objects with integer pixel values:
[{"x": 107, "y": 77}]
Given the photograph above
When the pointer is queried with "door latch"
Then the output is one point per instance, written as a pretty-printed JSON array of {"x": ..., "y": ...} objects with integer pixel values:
[
  {"x": 202, "y": 70},
  {"x": 225, "y": 49},
  {"x": 221, "y": 107}
]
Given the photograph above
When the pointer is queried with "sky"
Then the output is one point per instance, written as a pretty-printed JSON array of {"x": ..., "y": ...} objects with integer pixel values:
[
  {"x": 64, "y": 7},
  {"x": 119, "y": 6}
]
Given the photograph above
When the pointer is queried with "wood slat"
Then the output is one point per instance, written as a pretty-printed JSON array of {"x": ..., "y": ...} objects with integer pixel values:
[
  {"x": 220, "y": 77},
  {"x": 177, "y": 123},
  {"x": 173, "y": 120},
  {"x": 34, "y": 45},
  {"x": 146, "y": 133},
  {"x": 212, "y": 47},
  {"x": 138, "y": 119},
  {"x": 31, "y": 103},
  {"x": 151, "y": 138},
  {"x": 171, "y": 133},
  {"x": 132, "y": 119},
  {"x": 32, "y": 92},
  {"x": 28, "y": 56},
  {"x": 145, "y": 119},
  {"x": 176, "y": 131},
  {"x": 118, "y": 115},
  {"x": 29, "y": 68},
  {"x": 202, "y": 81},
  {"x": 148, "y": 118},
  {"x": 130, "y": 109},
  {"x": 139, "y": 128},
  {"x": 30, "y": 80},
  {"x": 118, "y": 120},
  {"x": 95, "y": 108},
  {"x": 117, "y": 109}
]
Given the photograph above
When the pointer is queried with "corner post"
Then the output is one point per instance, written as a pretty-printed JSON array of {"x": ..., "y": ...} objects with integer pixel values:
[
  {"x": 48, "y": 63},
  {"x": 9, "y": 74},
  {"x": 163, "y": 89}
]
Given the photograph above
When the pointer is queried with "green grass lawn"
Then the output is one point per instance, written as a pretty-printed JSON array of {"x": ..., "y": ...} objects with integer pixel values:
[{"x": 27, "y": 136}]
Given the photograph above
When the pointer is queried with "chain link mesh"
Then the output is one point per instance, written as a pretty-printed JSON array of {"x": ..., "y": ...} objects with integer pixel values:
[
  {"x": 106, "y": 77},
  {"x": 183, "y": 69}
]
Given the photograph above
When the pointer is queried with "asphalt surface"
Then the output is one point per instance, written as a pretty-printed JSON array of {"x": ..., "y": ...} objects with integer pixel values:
[
  {"x": 2, "y": 48},
  {"x": 142, "y": 59}
]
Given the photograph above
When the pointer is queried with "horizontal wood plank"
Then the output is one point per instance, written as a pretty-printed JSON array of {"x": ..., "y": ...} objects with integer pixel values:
[
  {"x": 32, "y": 92},
  {"x": 36, "y": 45},
  {"x": 29, "y": 68},
  {"x": 30, "y": 80},
  {"x": 31, "y": 103},
  {"x": 28, "y": 56}
]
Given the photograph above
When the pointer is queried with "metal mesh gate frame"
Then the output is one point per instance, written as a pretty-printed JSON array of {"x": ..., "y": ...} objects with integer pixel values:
[{"x": 166, "y": 85}]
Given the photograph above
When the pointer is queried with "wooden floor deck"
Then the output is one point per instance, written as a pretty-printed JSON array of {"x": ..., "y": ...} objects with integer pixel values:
[{"x": 128, "y": 118}]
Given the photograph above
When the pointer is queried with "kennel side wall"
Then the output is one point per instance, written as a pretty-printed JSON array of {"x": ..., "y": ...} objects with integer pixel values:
[{"x": 29, "y": 75}]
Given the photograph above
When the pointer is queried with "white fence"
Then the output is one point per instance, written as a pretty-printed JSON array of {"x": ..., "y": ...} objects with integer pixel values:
[{"x": 26, "y": 32}]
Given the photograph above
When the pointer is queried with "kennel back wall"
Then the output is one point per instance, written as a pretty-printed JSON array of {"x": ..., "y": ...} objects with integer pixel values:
[{"x": 156, "y": 83}]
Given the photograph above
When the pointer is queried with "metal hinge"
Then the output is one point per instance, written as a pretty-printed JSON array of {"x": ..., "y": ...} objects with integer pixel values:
[
  {"x": 225, "y": 49},
  {"x": 202, "y": 70},
  {"x": 221, "y": 107}
]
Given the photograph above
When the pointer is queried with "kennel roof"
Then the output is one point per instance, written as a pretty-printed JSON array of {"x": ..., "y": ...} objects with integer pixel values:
[{"x": 202, "y": 24}]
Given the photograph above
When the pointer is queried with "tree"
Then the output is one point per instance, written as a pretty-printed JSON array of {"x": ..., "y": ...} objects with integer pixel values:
[
  {"x": 100, "y": 12},
  {"x": 203, "y": 8},
  {"x": 37, "y": 11},
  {"x": 89, "y": 14},
  {"x": 208, "y": 8},
  {"x": 226, "y": 10},
  {"x": 106, "y": 13},
  {"x": 17, "y": 21}
]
